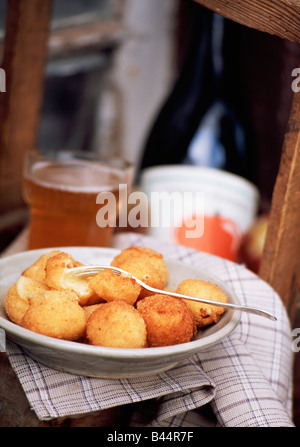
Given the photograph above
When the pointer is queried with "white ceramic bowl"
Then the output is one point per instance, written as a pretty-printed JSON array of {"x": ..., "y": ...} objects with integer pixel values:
[{"x": 97, "y": 361}]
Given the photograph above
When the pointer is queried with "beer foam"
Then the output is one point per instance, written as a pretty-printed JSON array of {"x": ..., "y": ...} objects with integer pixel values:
[{"x": 78, "y": 176}]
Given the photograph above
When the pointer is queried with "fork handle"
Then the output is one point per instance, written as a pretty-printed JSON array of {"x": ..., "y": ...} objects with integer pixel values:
[
  {"x": 252, "y": 310},
  {"x": 93, "y": 269}
]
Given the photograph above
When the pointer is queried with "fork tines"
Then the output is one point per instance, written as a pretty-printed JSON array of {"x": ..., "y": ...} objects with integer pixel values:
[{"x": 91, "y": 270}]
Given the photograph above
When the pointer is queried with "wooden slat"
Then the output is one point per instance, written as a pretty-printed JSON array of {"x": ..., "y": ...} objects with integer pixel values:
[
  {"x": 281, "y": 256},
  {"x": 280, "y": 265},
  {"x": 90, "y": 37},
  {"x": 278, "y": 17},
  {"x": 24, "y": 56},
  {"x": 97, "y": 36}
]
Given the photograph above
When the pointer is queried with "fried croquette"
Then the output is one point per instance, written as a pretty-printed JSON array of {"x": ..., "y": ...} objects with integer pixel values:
[
  {"x": 57, "y": 314},
  {"x": 90, "y": 309},
  {"x": 17, "y": 297},
  {"x": 116, "y": 324},
  {"x": 56, "y": 277},
  {"x": 110, "y": 310},
  {"x": 204, "y": 314},
  {"x": 37, "y": 269},
  {"x": 168, "y": 320},
  {"x": 146, "y": 253},
  {"x": 144, "y": 270},
  {"x": 88, "y": 312},
  {"x": 111, "y": 287}
]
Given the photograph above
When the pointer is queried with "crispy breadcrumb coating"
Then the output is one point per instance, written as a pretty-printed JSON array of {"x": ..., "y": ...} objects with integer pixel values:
[
  {"x": 144, "y": 270},
  {"x": 110, "y": 310},
  {"x": 145, "y": 253},
  {"x": 204, "y": 314},
  {"x": 37, "y": 269},
  {"x": 90, "y": 309},
  {"x": 111, "y": 287},
  {"x": 17, "y": 297},
  {"x": 168, "y": 320},
  {"x": 56, "y": 277},
  {"x": 57, "y": 314},
  {"x": 116, "y": 324}
]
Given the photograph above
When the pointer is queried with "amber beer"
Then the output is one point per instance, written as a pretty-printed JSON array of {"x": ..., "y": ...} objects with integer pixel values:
[{"x": 62, "y": 193}]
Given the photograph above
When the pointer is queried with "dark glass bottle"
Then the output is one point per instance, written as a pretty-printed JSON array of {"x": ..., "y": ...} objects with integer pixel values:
[
  {"x": 207, "y": 82},
  {"x": 193, "y": 92}
]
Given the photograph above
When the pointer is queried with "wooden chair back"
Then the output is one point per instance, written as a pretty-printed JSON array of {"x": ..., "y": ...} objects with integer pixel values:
[
  {"x": 25, "y": 53},
  {"x": 280, "y": 265}
]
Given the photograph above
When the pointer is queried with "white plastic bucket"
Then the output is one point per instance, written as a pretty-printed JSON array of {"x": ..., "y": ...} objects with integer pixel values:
[{"x": 208, "y": 209}]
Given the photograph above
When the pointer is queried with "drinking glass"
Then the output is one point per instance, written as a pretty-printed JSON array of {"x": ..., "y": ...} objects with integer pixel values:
[{"x": 63, "y": 191}]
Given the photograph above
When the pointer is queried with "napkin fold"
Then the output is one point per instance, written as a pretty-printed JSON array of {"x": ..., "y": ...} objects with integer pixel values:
[
  {"x": 244, "y": 380},
  {"x": 243, "y": 395},
  {"x": 55, "y": 394}
]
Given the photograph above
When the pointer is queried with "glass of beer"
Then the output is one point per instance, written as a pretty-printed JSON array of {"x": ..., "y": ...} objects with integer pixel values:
[{"x": 63, "y": 190}]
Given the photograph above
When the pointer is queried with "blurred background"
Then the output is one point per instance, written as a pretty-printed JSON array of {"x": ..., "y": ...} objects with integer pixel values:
[{"x": 121, "y": 73}]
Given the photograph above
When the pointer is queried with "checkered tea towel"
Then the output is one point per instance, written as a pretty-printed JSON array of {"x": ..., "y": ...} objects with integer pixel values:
[{"x": 243, "y": 381}]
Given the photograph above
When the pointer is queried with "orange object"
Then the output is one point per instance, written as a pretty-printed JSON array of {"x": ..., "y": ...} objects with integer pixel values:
[
  {"x": 221, "y": 236},
  {"x": 252, "y": 244}
]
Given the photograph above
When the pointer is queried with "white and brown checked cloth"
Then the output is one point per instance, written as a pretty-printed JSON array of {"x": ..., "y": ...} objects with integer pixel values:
[{"x": 243, "y": 381}]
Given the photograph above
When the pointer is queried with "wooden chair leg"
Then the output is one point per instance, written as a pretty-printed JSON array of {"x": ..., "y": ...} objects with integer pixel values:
[
  {"x": 25, "y": 51},
  {"x": 280, "y": 265}
]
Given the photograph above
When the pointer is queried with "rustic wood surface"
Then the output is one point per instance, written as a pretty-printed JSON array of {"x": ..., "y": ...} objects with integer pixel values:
[
  {"x": 278, "y": 17},
  {"x": 15, "y": 410},
  {"x": 23, "y": 61},
  {"x": 281, "y": 256},
  {"x": 14, "y": 407}
]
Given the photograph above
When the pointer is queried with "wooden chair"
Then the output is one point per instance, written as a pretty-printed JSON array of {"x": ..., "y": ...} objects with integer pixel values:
[
  {"x": 25, "y": 53},
  {"x": 280, "y": 265},
  {"x": 24, "y": 56}
]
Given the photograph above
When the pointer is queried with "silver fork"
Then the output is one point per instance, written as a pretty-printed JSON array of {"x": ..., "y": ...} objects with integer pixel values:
[{"x": 91, "y": 270}]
